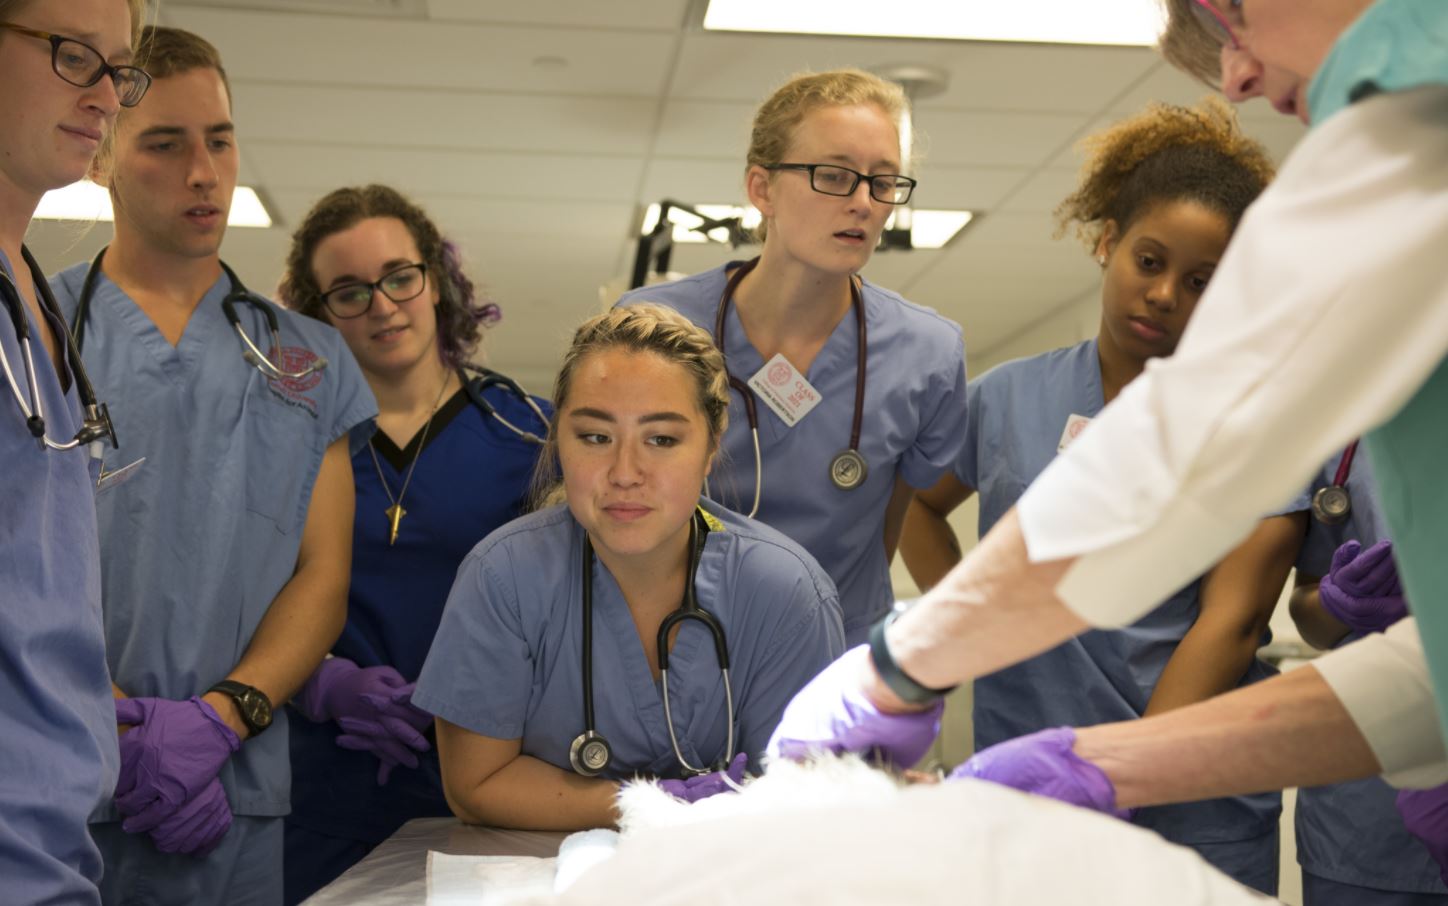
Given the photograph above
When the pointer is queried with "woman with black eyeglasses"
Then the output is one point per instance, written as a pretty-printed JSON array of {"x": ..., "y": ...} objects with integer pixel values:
[
  {"x": 847, "y": 397},
  {"x": 63, "y": 78},
  {"x": 452, "y": 459}
]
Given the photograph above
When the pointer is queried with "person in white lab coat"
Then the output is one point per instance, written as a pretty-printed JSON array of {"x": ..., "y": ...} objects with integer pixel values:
[{"x": 1327, "y": 318}]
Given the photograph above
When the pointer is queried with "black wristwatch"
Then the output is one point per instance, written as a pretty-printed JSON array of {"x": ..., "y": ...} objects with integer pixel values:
[
  {"x": 255, "y": 707},
  {"x": 898, "y": 680}
]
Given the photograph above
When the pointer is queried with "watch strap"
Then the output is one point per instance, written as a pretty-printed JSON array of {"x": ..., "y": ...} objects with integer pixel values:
[
  {"x": 236, "y": 690},
  {"x": 900, "y": 682}
]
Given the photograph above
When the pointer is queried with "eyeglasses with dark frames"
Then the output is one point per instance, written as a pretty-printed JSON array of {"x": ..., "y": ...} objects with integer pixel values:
[
  {"x": 353, "y": 300},
  {"x": 1216, "y": 24},
  {"x": 82, "y": 65},
  {"x": 830, "y": 179}
]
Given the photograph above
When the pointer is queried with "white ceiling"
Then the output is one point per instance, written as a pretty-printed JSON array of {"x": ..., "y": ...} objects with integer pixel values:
[{"x": 535, "y": 133}]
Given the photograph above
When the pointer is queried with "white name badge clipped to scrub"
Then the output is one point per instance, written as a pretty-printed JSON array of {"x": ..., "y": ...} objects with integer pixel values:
[
  {"x": 1075, "y": 424},
  {"x": 784, "y": 390}
]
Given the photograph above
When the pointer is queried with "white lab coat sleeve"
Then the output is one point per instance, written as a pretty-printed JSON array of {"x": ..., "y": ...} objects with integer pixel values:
[
  {"x": 1383, "y": 682},
  {"x": 1328, "y": 311}
]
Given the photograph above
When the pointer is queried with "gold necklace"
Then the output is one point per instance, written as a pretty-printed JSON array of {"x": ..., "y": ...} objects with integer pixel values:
[{"x": 395, "y": 512}]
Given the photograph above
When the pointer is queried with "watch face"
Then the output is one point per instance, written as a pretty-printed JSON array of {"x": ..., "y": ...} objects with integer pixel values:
[{"x": 256, "y": 708}]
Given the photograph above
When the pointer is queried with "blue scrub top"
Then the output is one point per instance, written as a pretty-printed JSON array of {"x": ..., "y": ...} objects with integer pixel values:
[
  {"x": 58, "y": 758},
  {"x": 913, "y": 419},
  {"x": 198, "y": 543},
  {"x": 1351, "y": 832},
  {"x": 472, "y": 476},
  {"x": 506, "y": 661},
  {"x": 1017, "y": 413}
]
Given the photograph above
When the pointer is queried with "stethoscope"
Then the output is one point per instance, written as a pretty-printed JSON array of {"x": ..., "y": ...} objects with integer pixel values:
[
  {"x": 1333, "y": 504},
  {"x": 236, "y": 292},
  {"x": 848, "y": 469},
  {"x": 590, "y": 752},
  {"x": 96, "y": 419},
  {"x": 483, "y": 378}
]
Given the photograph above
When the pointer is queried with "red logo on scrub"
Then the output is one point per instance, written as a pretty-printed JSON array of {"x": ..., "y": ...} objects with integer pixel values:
[
  {"x": 294, "y": 390},
  {"x": 1076, "y": 428},
  {"x": 779, "y": 374}
]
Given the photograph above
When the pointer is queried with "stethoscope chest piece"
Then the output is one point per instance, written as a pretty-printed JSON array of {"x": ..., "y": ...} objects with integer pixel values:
[
  {"x": 1331, "y": 505},
  {"x": 590, "y": 753},
  {"x": 848, "y": 470}
]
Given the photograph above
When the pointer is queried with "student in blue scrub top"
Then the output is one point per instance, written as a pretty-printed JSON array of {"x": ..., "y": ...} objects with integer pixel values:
[
  {"x": 1160, "y": 195},
  {"x": 642, "y": 401},
  {"x": 225, "y": 556},
  {"x": 1351, "y": 842},
  {"x": 58, "y": 758},
  {"x": 372, "y": 264},
  {"x": 824, "y": 169}
]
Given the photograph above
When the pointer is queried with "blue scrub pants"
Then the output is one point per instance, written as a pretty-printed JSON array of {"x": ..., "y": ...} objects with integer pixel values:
[
  {"x": 314, "y": 860},
  {"x": 245, "y": 870},
  {"x": 1318, "y": 891},
  {"x": 1253, "y": 862}
]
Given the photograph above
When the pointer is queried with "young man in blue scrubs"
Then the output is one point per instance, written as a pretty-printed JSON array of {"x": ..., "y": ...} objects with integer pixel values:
[
  {"x": 58, "y": 756},
  {"x": 225, "y": 558}
]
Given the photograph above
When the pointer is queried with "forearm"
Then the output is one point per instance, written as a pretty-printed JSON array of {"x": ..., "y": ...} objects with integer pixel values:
[
  {"x": 299, "y": 628},
  {"x": 895, "y": 516},
  {"x": 996, "y": 608},
  {"x": 1288, "y": 731},
  {"x": 1319, "y": 628},
  {"x": 530, "y": 794},
  {"x": 928, "y": 545},
  {"x": 1211, "y": 659}
]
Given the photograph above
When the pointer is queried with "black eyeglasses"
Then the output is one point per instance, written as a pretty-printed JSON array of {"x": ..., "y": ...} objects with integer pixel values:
[
  {"x": 353, "y": 300},
  {"x": 82, "y": 65},
  {"x": 828, "y": 179}
]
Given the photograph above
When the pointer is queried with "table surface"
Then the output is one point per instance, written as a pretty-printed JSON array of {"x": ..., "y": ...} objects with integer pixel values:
[{"x": 395, "y": 873}]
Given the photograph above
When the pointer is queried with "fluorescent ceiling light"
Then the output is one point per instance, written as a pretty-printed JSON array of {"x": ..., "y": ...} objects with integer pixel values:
[
  {"x": 1127, "y": 22},
  {"x": 87, "y": 201},
  {"x": 928, "y": 229}
]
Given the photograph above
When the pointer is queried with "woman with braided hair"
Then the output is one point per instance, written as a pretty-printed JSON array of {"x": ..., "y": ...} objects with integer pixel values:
[
  {"x": 547, "y": 675},
  {"x": 1159, "y": 197}
]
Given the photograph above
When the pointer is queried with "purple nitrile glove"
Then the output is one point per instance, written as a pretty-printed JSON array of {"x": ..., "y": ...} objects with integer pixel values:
[
  {"x": 1044, "y": 763},
  {"x": 373, "y": 706},
  {"x": 832, "y": 714},
  {"x": 1362, "y": 590},
  {"x": 1425, "y": 815},
  {"x": 172, "y": 751},
  {"x": 703, "y": 786},
  {"x": 196, "y": 828}
]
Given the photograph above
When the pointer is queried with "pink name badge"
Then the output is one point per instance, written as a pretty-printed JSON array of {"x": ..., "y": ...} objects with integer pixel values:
[
  {"x": 784, "y": 390},
  {"x": 1075, "y": 424}
]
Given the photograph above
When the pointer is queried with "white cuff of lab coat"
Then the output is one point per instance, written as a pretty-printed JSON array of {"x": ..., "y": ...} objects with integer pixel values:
[{"x": 1383, "y": 682}]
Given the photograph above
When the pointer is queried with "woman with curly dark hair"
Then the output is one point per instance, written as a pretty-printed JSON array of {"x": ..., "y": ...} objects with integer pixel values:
[
  {"x": 452, "y": 459},
  {"x": 1159, "y": 197}
]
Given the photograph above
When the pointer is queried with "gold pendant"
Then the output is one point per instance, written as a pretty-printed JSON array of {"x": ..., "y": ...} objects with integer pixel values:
[{"x": 394, "y": 515}]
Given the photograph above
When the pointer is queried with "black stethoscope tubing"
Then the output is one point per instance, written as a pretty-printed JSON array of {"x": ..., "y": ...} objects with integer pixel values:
[
  {"x": 848, "y": 469},
  {"x": 96, "y": 418},
  {"x": 236, "y": 292},
  {"x": 483, "y": 378},
  {"x": 590, "y": 752},
  {"x": 1333, "y": 504}
]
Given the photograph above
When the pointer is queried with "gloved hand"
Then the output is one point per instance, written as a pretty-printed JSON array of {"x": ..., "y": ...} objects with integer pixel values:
[
  {"x": 173, "y": 750},
  {"x": 1425, "y": 814},
  {"x": 832, "y": 714},
  {"x": 196, "y": 828},
  {"x": 703, "y": 786},
  {"x": 373, "y": 707},
  {"x": 1362, "y": 590},
  {"x": 1044, "y": 763}
]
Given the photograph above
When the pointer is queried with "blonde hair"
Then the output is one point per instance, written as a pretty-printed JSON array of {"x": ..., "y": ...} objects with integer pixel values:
[
  {"x": 1165, "y": 154},
  {"x": 137, "y": 9},
  {"x": 644, "y": 327},
  {"x": 1187, "y": 45},
  {"x": 780, "y": 115}
]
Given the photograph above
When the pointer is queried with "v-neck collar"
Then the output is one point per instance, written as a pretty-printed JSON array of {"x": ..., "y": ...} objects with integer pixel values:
[{"x": 401, "y": 457}]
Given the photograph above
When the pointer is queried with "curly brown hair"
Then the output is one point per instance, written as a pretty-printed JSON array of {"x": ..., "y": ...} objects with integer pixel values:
[
  {"x": 1164, "y": 154},
  {"x": 460, "y": 312}
]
